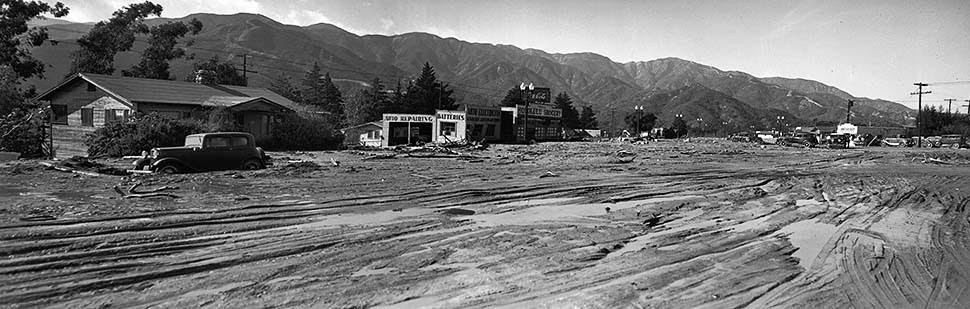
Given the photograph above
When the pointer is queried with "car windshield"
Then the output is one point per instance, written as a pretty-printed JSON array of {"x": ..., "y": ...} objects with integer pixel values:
[{"x": 193, "y": 141}]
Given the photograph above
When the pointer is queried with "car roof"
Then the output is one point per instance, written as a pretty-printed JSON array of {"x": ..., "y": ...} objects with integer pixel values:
[{"x": 221, "y": 134}]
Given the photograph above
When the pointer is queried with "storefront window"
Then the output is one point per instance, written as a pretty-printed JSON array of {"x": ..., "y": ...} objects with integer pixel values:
[{"x": 448, "y": 128}]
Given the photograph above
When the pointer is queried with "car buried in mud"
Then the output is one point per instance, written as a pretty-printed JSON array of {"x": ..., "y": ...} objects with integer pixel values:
[{"x": 206, "y": 152}]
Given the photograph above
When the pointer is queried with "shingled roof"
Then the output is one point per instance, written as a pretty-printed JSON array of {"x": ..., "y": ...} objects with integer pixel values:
[{"x": 143, "y": 90}]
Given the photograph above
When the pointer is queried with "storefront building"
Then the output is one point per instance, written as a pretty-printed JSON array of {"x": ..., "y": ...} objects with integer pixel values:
[{"x": 545, "y": 123}]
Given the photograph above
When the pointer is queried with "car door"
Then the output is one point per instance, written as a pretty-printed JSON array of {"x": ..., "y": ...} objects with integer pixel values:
[
  {"x": 213, "y": 156},
  {"x": 241, "y": 149}
]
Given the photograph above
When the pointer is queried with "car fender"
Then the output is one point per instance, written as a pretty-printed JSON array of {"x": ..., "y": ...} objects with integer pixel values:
[{"x": 158, "y": 163}]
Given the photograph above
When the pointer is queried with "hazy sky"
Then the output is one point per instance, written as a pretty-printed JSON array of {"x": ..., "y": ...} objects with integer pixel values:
[{"x": 869, "y": 48}]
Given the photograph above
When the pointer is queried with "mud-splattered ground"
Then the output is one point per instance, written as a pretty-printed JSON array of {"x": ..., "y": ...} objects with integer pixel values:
[{"x": 670, "y": 224}]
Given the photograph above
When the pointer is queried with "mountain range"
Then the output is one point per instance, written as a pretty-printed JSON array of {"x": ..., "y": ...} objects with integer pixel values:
[{"x": 481, "y": 73}]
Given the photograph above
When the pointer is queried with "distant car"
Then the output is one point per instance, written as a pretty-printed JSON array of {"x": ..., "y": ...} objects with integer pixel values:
[
  {"x": 207, "y": 152},
  {"x": 766, "y": 137},
  {"x": 745, "y": 137},
  {"x": 793, "y": 141},
  {"x": 895, "y": 142},
  {"x": 952, "y": 141},
  {"x": 928, "y": 141}
]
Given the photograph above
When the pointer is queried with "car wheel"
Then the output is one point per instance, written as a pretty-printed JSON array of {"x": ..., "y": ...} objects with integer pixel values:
[
  {"x": 168, "y": 169},
  {"x": 252, "y": 164}
]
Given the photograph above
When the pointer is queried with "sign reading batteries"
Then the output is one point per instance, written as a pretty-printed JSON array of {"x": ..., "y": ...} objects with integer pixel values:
[{"x": 541, "y": 95}]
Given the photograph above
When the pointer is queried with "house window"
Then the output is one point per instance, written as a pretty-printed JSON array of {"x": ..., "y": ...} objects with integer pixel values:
[
  {"x": 60, "y": 114},
  {"x": 87, "y": 117},
  {"x": 115, "y": 115},
  {"x": 374, "y": 134},
  {"x": 91, "y": 87},
  {"x": 448, "y": 128},
  {"x": 490, "y": 130}
]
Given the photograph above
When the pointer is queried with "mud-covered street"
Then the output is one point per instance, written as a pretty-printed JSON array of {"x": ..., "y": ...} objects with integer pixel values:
[{"x": 703, "y": 223}]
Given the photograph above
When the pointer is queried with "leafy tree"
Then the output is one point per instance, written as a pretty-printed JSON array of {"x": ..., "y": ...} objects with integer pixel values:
[
  {"x": 16, "y": 37},
  {"x": 161, "y": 49},
  {"x": 283, "y": 85},
  {"x": 570, "y": 117},
  {"x": 217, "y": 71},
  {"x": 368, "y": 104},
  {"x": 587, "y": 119},
  {"x": 99, "y": 46},
  {"x": 22, "y": 121},
  {"x": 428, "y": 94},
  {"x": 514, "y": 97},
  {"x": 646, "y": 122},
  {"x": 356, "y": 107}
]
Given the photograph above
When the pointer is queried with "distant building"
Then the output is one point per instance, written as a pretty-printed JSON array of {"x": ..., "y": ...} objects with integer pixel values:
[
  {"x": 366, "y": 134},
  {"x": 545, "y": 123},
  {"x": 473, "y": 123}
]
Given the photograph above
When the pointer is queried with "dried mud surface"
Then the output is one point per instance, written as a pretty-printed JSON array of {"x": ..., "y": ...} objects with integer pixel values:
[{"x": 701, "y": 224}]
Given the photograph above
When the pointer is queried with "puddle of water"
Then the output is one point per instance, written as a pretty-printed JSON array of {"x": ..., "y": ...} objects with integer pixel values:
[
  {"x": 364, "y": 218},
  {"x": 809, "y": 236},
  {"x": 536, "y": 202},
  {"x": 568, "y": 212}
]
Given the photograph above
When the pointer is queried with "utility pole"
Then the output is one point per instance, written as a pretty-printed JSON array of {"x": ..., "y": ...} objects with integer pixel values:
[
  {"x": 639, "y": 109},
  {"x": 949, "y": 104},
  {"x": 245, "y": 68},
  {"x": 919, "y": 112},
  {"x": 612, "y": 120},
  {"x": 848, "y": 111},
  {"x": 528, "y": 97}
]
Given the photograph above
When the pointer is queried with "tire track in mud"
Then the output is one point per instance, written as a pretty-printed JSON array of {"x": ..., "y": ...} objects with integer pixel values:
[{"x": 117, "y": 264}]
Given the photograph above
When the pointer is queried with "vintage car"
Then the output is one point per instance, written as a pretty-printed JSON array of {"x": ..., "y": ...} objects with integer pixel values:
[
  {"x": 207, "y": 152},
  {"x": 767, "y": 137},
  {"x": 895, "y": 142},
  {"x": 952, "y": 141},
  {"x": 793, "y": 141},
  {"x": 745, "y": 137}
]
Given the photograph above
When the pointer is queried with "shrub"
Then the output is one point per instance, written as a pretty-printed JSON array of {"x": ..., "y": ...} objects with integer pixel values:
[
  {"x": 142, "y": 132},
  {"x": 22, "y": 130},
  {"x": 300, "y": 131}
]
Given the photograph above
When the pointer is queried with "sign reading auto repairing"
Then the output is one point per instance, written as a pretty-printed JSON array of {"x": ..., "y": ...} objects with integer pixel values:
[{"x": 408, "y": 118}]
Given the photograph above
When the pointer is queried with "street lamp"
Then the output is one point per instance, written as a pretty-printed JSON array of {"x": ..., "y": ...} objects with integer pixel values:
[{"x": 639, "y": 109}]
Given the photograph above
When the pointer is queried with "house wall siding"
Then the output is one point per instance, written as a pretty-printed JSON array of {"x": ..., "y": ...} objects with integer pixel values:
[{"x": 76, "y": 96}]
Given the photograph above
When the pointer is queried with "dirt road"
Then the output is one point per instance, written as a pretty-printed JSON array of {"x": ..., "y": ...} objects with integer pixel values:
[{"x": 670, "y": 224}]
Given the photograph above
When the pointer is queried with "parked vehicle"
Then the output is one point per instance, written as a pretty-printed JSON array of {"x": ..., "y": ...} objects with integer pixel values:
[
  {"x": 895, "y": 142},
  {"x": 793, "y": 141},
  {"x": 953, "y": 141},
  {"x": 746, "y": 137},
  {"x": 767, "y": 137},
  {"x": 207, "y": 152}
]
